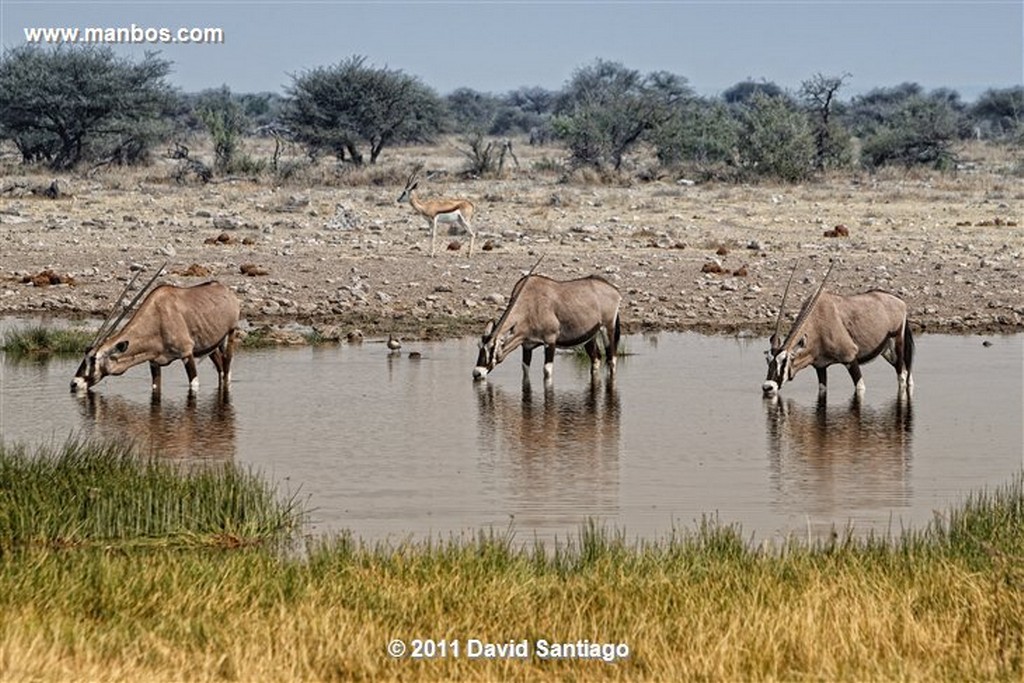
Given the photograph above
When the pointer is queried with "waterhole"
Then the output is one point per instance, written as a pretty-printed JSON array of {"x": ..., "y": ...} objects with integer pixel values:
[{"x": 394, "y": 447}]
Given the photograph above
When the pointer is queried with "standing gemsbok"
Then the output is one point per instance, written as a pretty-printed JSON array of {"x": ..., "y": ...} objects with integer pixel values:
[
  {"x": 851, "y": 330},
  {"x": 553, "y": 314},
  {"x": 172, "y": 323},
  {"x": 458, "y": 211}
]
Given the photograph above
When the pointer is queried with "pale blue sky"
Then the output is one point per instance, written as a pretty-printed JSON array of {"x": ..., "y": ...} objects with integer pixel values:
[{"x": 499, "y": 46}]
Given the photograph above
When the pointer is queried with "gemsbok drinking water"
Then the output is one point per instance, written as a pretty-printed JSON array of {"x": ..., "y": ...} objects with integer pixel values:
[
  {"x": 850, "y": 330},
  {"x": 172, "y": 323},
  {"x": 553, "y": 314}
]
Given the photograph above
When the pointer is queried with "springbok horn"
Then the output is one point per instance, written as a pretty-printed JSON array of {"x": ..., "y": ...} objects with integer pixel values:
[
  {"x": 413, "y": 175},
  {"x": 127, "y": 309},
  {"x": 782, "y": 306}
]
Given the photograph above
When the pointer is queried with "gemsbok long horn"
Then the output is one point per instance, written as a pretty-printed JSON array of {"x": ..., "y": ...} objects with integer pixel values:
[
  {"x": 814, "y": 299},
  {"x": 782, "y": 306},
  {"x": 127, "y": 309},
  {"x": 515, "y": 293},
  {"x": 113, "y": 311}
]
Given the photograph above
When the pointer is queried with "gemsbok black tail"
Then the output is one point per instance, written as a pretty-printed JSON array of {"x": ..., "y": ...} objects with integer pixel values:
[{"x": 908, "y": 346}]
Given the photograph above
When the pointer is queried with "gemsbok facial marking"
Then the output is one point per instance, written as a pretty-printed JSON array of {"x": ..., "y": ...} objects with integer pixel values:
[
  {"x": 850, "y": 330},
  {"x": 172, "y": 323},
  {"x": 553, "y": 314}
]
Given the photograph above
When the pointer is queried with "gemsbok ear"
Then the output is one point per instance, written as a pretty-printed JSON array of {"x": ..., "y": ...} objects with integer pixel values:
[{"x": 489, "y": 328}]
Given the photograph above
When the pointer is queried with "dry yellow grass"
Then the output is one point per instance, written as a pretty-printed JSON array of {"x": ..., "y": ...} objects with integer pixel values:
[{"x": 705, "y": 608}]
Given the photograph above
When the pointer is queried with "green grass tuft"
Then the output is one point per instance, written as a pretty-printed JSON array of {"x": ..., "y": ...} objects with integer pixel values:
[
  {"x": 86, "y": 492},
  {"x": 39, "y": 341}
]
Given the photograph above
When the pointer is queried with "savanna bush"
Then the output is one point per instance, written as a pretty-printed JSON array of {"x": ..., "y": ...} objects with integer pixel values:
[{"x": 776, "y": 140}]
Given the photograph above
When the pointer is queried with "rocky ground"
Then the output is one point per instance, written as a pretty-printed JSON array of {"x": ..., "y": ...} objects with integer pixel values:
[{"x": 708, "y": 257}]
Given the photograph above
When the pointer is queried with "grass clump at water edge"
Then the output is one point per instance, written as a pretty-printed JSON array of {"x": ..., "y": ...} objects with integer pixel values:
[
  {"x": 88, "y": 492},
  {"x": 40, "y": 341}
]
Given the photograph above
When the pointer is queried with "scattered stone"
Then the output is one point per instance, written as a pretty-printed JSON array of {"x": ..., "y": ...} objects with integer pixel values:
[
  {"x": 227, "y": 222},
  {"x": 194, "y": 270},
  {"x": 712, "y": 267},
  {"x": 252, "y": 270},
  {"x": 343, "y": 219},
  {"x": 294, "y": 203},
  {"x": 223, "y": 238},
  {"x": 838, "y": 231},
  {"x": 997, "y": 222},
  {"x": 47, "y": 277},
  {"x": 329, "y": 333}
]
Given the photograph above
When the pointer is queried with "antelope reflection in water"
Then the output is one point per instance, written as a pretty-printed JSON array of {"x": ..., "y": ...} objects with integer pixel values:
[
  {"x": 192, "y": 429},
  {"x": 560, "y": 449},
  {"x": 840, "y": 458}
]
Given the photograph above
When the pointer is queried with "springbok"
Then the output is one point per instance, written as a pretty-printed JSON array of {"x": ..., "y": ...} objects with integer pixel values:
[
  {"x": 553, "y": 314},
  {"x": 459, "y": 211},
  {"x": 172, "y": 323},
  {"x": 851, "y": 330}
]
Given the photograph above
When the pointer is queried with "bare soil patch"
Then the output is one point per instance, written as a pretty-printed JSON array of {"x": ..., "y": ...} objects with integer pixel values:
[{"x": 708, "y": 257}]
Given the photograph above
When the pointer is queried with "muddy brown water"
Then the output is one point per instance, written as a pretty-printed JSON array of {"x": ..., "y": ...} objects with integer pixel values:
[{"x": 391, "y": 447}]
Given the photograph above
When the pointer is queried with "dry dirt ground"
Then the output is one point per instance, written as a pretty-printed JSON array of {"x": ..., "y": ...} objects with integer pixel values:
[{"x": 710, "y": 257}]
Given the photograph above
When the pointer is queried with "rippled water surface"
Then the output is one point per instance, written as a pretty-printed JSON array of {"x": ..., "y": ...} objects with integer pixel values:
[{"x": 393, "y": 447}]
